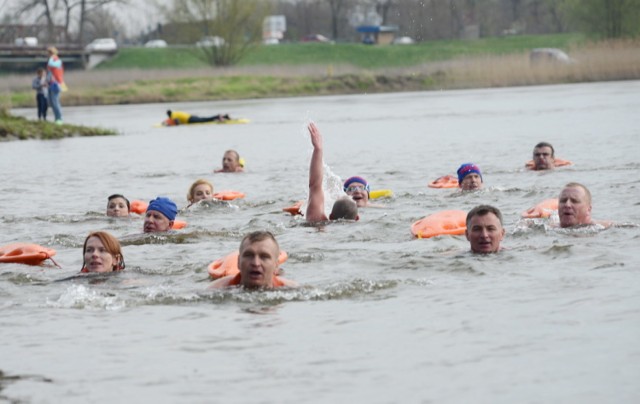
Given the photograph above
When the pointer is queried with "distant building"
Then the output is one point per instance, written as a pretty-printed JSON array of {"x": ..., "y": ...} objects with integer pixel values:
[{"x": 377, "y": 34}]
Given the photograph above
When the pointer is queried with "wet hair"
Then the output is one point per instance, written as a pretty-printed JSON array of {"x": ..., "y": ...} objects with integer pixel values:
[
  {"x": 111, "y": 244},
  {"x": 235, "y": 153},
  {"x": 545, "y": 144},
  {"x": 578, "y": 185},
  {"x": 114, "y": 196},
  {"x": 194, "y": 185},
  {"x": 482, "y": 210},
  {"x": 257, "y": 236},
  {"x": 344, "y": 208},
  {"x": 169, "y": 113}
]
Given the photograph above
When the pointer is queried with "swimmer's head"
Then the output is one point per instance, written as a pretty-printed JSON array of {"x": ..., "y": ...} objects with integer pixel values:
[
  {"x": 165, "y": 206},
  {"x": 169, "y": 113},
  {"x": 358, "y": 189},
  {"x": 473, "y": 176},
  {"x": 344, "y": 208}
]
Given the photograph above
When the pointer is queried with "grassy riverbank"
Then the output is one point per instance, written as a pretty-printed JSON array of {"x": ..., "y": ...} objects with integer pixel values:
[
  {"x": 18, "y": 128},
  {"x": 322, "y": 69}
]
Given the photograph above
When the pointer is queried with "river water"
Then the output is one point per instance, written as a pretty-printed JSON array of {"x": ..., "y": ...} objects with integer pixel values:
[{"x": 381, "y": 317}]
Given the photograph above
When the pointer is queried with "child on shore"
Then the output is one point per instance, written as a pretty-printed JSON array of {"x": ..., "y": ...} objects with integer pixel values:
[{"x": 40, "y": 85}]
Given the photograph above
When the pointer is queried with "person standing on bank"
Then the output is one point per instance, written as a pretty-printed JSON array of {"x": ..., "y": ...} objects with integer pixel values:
[
  {"x": 55, "y": 80},
  {"x": 39, "y": 84}
]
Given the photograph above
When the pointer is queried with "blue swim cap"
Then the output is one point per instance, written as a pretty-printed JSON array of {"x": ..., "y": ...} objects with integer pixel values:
[
  {"x": 466, "y": 169},
  {"x": 165, "y": 206}
]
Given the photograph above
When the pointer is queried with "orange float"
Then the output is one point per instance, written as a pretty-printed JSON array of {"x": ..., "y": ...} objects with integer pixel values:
[
  {"x": 445, "y": 223},
  {"x": 25, "y": 253},
  {"x": 229, "y": 265},
  {"x": 138, "y": 206},
  {"x": 228, "y": 195},
  {"x": 179, "y": 224},
  {"x": 542, "y": 210},
  {"x": 446, "y": 181},
  {"x": 294, "y": 209},
  {"x": 557, "y": 162}
]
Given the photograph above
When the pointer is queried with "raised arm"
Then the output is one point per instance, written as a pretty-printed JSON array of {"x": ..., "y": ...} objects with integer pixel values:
[{"x": 315, "y": 207}]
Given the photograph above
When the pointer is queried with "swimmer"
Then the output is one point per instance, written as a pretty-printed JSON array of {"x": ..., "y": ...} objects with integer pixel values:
[
  {"x": 118, "y": 206},
  {"x": 484, "y": 229},
  {"x": 231, "y": 163},
  {"x": 102, "y": 253},
  {"x": 199, "y": 191},
  {"x": 358, "y": 189},
  {"x": 469, "y": 177},
  {"x": 343, "y": 208},
  {"x": 543, "y": 156},
  {"x": 574, "y": 207},
  {"x": 258, "y": 264},
  {"x": 160, "y": 215},
  {"x": 184, "y": 118}
]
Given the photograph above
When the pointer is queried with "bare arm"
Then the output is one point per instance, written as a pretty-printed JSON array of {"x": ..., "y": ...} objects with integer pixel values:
[{"x": 315, "y": 207}]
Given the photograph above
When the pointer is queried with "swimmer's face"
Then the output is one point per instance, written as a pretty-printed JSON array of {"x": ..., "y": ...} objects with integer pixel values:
[
  {"x": 485, "y": 233},
  {"x": 117, "y": 207},
  {"x": 230, "y": 161},
  {"x": 358, "y": 192},
  {"x": 258, "y": 263},
  {"x": 471, "y": 182},
  {"x": 543, "y": 158},
  {"x": 97, "y": 258},
  {"x": 155, "y": 221},
  {"x": 574, "y": 207},
  {"x": 201, "y": 192}
]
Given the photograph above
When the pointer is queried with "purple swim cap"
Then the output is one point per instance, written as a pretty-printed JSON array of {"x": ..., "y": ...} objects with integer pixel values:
[{"x": 466, "y": 169}]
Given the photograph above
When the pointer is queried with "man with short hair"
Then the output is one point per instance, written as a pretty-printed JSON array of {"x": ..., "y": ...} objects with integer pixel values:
[
  {"x": 343, "y": 208},
  {"x": 484, "y": 229},
  {"x": 231, "y": 163},
  {"x": 258, "y": 264},
  {"x": 574, "y": 205},
  {"x": 543, "y": 156}
]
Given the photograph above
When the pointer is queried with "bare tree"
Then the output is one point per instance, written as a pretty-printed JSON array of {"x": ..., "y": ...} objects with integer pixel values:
[{"x": 337, "y": 9}]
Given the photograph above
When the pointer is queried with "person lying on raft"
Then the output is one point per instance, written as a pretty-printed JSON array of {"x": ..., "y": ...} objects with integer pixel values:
[
  {"x": 574, "y": 207},
  {"x": 469, "y": 177},
  {"x": 200, "y": 190},
  {"x": 484, "y": 229},
  {"x": 184, "y": 118},
  {"x": 343, "y": 208},
  {"x": 160, "y": 215},
  {"x": 231, "y": 163},
  {"x": 118, "y": 206},
  {"x": 102, "y": 253},
  {"x": 258, "y": 264}
]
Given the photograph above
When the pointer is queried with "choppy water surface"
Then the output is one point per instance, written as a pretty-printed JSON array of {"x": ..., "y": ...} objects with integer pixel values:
[{"x": 381, "y": 317}]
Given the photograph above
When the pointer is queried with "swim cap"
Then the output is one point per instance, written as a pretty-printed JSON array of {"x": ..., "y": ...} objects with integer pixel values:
[
  {"x": 466, "y": 169},
  {"x": 165, "y": 206},
  {"x": 357, "y": 179}
]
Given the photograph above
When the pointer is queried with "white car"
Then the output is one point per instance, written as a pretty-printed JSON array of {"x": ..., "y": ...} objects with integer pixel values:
[
  {"x": 403, "y": 40},
  {"x": 102, "y": 44},
  {"x": 156, "y": 43},
  {"x": 26, "y": 41},
  {"x": 209, "y": 41}
]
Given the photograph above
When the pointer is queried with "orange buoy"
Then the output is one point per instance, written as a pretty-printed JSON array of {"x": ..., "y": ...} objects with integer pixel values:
[
  {"x": 294, "y": 209},
  {"x": 179, "y": 224},
  {"x": 228, "y": 195},
  {"x": 446, "y": 181},
  {"x": 229, "y": 265},
  {"x": 24, "y": 253},
  {"x": 138, "y": 206},
  {"x": 447, "y": 222},
  {"x": 556, "y": 162},
  {"x": 542, "y": 210}
]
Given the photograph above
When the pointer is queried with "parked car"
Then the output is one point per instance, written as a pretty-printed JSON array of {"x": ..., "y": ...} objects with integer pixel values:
[
  {"x": 156, "y": 43},
  {"x": 271, "y": 41},
  {"x": 315, "y": 38},
  {"x": 403, "y": 40},
  {"x": 102, "y": 44},
  {"x": 209, "y": 41}
]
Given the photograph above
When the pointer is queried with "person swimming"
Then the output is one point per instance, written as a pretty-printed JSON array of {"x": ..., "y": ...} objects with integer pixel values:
[
  {"x": 469, "y": 177},
  {"x": 118, "y": 206},
  {"x": 160, "y": 215},
  {"x": 231, "y": 163},
  {"x": 102, "y": 252}
]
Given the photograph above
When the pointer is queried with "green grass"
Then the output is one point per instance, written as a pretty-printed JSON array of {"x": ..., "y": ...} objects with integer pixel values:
[
  {"x": 364, "y": 56},
  {"x": 12, "y": 127}
]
